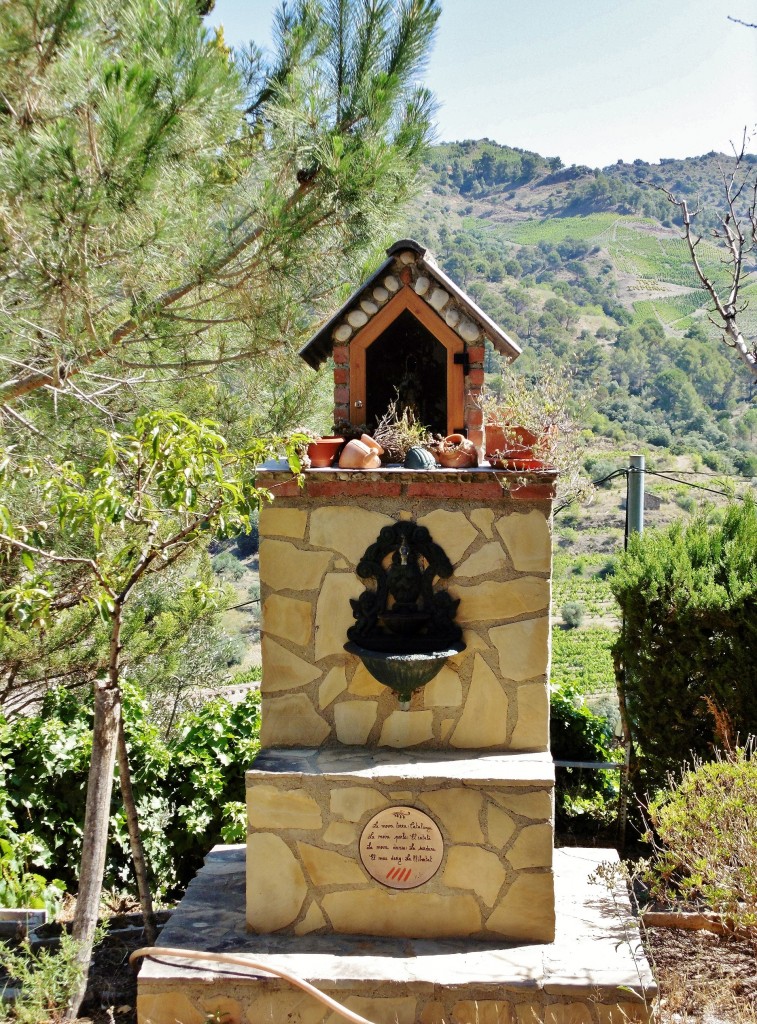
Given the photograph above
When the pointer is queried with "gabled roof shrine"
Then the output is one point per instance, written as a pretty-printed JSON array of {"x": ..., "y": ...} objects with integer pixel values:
[{"x": 409, "y": 333}]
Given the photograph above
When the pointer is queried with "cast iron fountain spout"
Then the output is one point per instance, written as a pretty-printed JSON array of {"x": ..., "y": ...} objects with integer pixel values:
[{"x": 405, "y": 629}]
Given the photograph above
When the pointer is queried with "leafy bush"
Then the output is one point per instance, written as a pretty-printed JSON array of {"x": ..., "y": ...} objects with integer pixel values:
[
  {"x": 706, "y": 824},
  {"x": 689, "y": 598},
  {"x": 572, "y": 614},
  {"x": 20, "y": 887},
  {"x": 578, "y": 735},
  {"x": 188, "y": 788},
  {"x": 227, "y": 564}
]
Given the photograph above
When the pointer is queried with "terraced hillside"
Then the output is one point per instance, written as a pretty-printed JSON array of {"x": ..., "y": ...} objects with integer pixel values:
[{"x": 587, "y": 268}]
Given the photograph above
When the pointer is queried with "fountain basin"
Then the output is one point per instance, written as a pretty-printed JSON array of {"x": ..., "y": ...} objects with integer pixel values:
[{"x": 403, "y": 673}]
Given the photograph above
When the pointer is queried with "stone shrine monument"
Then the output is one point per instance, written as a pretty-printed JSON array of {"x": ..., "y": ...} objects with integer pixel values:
[{"x": 400, "y": 813}]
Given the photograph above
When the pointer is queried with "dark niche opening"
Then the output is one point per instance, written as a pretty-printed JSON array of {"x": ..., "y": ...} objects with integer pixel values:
[{"x": 407, "y": 363}]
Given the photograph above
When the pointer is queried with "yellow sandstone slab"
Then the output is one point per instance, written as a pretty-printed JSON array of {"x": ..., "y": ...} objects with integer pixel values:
[
  {"x": 458, "y": 810},
  {"x": 528, "y": 540},
  {"x": 528, "y": 805},
  {"x": 499, "y": 825},
  {"x": 283, "y": 522},
  {"x": 292, "y": 721},
  {"x": 407, "y": 915},
  {"x": 353, "y": 802},
  {"x": 283, "y": 566},
  {"x": 339, "y": 833},
  {"x": 483, "y": 722},
  {"x": 407, "y": 728},
  {"x": 387, "y": 1010},
  {"x": 490, "y": 559},
  {"x": 328, "y": 868},
  {"x": 365, "y": 685},
  {"x": 283, "y": 670},
  {"x": 269, "y": 807},
  {"x": 483, "y": 519},
  {"x": 333, "y": 615},
  {"x": 523, "y": 648},
  {"x": 297, "y": 1007},
  {"x": 494, "y": 600},
  {"x": 444, "y": 691},
  {"x": 483, "y": 1011},
  {"x": 451, "y": 530},
  {"x": 276, "y": 886},
  {"x": 527, "y": 910},
  {"x": 346, "y": 529},
  {"x": 532, "y": 726},
  {"x": 568, "y": 1013},
  {"x": 470, "y": 867},
  {"x": 288, "y": 618},
  {"x": 168, "y": 1007},
  {"x": 532, "y": 848},
  {"x": 311, "y": 922},
  {"x": 334, "y": 684},
  {"x": 354, "y": 719}
]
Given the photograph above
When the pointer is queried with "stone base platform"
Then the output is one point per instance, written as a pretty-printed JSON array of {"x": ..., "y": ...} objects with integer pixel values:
[
  {"x": 306, "y": 809},
  {"x": 595, "y": 972}
]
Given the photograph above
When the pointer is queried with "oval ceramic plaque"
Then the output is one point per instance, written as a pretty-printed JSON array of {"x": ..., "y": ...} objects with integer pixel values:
[{"x": 401, "y": 847}]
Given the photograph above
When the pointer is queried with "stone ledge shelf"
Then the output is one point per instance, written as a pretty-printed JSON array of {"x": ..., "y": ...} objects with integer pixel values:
[
  {"x": 308, "y": 808},
  {"x": 595, "y": 972},
  {"x": 481, "y": 484}
]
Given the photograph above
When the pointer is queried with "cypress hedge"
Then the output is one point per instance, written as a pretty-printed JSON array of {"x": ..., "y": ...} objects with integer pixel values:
[{"x": 686, "y": 658}]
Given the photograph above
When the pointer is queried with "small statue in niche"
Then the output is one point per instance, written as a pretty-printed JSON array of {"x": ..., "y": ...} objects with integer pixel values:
[{"x": 404, "y": 614}]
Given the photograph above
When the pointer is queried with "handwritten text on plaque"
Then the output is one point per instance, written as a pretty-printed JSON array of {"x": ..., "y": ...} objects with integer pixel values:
[{"x": 401, "y": 847}]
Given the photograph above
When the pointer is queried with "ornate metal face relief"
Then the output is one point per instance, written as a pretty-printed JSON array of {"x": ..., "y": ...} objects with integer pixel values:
[{"x": 404, "y": 614}]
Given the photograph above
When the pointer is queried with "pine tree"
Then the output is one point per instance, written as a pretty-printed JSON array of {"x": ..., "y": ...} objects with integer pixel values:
[{"x": 165, "y": 208}]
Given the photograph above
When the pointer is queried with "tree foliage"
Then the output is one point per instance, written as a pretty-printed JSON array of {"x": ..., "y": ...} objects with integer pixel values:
[
  {"x": 188, "y": 786},
  {"x": 688, "y": 596},
  {"x": 166, "y": 208}
]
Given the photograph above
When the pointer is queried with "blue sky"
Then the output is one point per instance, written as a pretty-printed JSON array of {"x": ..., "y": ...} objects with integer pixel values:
[{"x": 591, "y": 81}]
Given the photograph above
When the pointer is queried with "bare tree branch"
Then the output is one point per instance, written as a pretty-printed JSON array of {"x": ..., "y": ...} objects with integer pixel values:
[{"x": 737, "y": 234}]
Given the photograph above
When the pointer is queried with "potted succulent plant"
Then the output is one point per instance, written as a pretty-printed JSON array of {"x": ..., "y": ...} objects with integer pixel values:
[
  {"x": 314, "y": 451},
  {"x": 454, "y": 451},
  {"x": 400, "y": 434},
  {"x": 528, "y": 423}
]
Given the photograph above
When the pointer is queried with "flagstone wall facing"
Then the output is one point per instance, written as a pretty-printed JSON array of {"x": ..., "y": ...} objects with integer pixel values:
[{"x": 494, "y": 528}]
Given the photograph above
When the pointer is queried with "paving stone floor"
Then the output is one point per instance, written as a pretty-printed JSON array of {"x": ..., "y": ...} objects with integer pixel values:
[{"x": 595, "y": 972}]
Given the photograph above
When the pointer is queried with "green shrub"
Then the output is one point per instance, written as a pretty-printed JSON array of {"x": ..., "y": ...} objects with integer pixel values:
[
  {"x": 572, "y": 613},
  {"x": 227, "y": 564},
  {"x": 188, "y": 789},
  {"x": 689, "y": 599},
  {"x": 47, "y": 980},
  {"x": 578, "y": 735},
  {"x": 705, "y": 823},
  {"x": 20, "y": 887}
]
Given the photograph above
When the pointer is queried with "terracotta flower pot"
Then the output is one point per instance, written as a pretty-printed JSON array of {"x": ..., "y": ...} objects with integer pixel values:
[
  {"x": 371, "y": 443},
  {"x": 323, "y": 451},
  {"x": 457, "y": 452},
  {"x": 511, "y": 447},
  {"x": 358, "y": 455}
]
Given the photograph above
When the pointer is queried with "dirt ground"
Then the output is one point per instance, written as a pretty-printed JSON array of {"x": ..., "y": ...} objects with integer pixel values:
[{"x": 703, "y": 979}]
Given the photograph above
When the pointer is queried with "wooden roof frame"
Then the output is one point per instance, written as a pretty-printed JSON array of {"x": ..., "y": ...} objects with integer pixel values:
[
  {"x": 407, "y": 300},
  {"x": 321, "y": 345}
]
